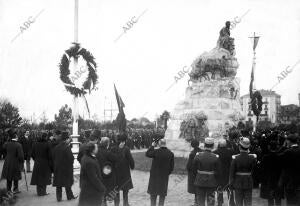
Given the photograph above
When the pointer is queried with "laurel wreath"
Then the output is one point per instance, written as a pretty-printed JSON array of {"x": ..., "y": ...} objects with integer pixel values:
[
  {"x": 90, "y": 83},
  {"x": 256, "y": 103}
]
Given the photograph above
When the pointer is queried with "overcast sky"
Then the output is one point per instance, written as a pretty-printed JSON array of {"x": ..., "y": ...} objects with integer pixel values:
[{"x": 143, "y": 61}]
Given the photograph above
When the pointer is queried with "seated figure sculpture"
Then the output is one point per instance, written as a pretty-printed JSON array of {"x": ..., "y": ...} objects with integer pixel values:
[
  {"x": 225, "y": 41},
  {"x": 217, "y": 63}
]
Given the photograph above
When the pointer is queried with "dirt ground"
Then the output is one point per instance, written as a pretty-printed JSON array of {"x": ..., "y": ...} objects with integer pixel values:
[{"x": 177, "y": 192}]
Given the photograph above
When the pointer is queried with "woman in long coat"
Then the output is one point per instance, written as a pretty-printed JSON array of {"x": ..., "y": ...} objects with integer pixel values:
[
  {"x": 107, "y": 161},
  {"x": 123, "y": 165},
  {"x": 41, "y": 175},
  {"x": 13, "y": 163},
  {"x": 92, "y": 189}
]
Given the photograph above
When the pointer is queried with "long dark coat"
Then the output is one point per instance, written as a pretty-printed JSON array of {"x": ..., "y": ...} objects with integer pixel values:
[
  {"x": 14, "y": 161},
  {"x": 123, "y": 165},
  {"x": 162, "y": 166},
  {"x": 255, "y": 149},
  {"x": 106, "y": 157},
  {"x": 41, "y": 154},
  {"x": 92, "y": 189},
  {"x": 27, "y": 146},
  {"x": 82, "y": 150},
  {"x": 189, "y": 168},
  {"x": 290, "y": 178},
  {"x": 63, "y": 165},
  {"x": 225, "y": 157},
  {"x": 271, "y": 170}
]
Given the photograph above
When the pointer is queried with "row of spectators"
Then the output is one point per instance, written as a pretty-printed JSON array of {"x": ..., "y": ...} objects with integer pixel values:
[
  {"x": 137, "y": 138},
  {"x": 275, "y": 170}
]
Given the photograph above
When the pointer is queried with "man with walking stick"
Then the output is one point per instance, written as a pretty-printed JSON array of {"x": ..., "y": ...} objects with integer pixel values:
[{"x": 13, "y": 163}]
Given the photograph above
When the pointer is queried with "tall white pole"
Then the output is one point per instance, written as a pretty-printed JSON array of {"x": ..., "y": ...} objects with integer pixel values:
[
  {"x": 254, "y": 64},
  {"x": 255, "y": 41},
  {"x": 76, "y": 22},
  {"x": 75, "y": 135},
  {"x": 75, "y": 100}
]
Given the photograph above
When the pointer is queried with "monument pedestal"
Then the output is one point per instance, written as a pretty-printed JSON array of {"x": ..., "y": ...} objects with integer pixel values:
[{"x": 211, "y": 105}]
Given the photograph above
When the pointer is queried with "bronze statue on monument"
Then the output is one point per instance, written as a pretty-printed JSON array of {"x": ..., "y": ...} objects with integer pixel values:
[{"x": 225, "y": 41}]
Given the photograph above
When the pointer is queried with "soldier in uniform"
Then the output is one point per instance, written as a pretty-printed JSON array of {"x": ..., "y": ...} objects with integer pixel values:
[
  {"x": 206, "y": 168},
  {"x": 240, "y": 176}
]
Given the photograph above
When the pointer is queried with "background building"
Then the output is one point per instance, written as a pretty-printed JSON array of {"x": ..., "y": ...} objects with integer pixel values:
[
  {"x": 270, "y": 108},
  {"x": 290, "y": 113}
]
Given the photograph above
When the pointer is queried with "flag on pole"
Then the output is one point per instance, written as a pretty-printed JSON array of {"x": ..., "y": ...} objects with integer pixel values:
[
  {"x": 119, "y": 100},
  {"x": 255, "y": 41},
  {"x": 251, "y": 82},
  {"x": 121, "y": 120}
]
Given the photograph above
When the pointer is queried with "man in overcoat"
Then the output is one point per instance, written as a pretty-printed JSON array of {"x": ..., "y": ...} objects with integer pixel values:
[
  {"x": 162, "y": 166},
  {"x": 42, "y": 169},
  {"x": 27, "y": 142},
  {"x": 290, "y": 178},
  {"x": 123, "y": 165},
  {"x": 225, "y": 157},
  {"x": 13, "y": 163},
  {"x": 63, "y": 168},
  {"x": 271, "y": 171},
  {"x": 189, "y": 167}
]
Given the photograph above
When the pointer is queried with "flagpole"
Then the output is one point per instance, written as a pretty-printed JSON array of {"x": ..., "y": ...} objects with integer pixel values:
[
  {"x": 254, "y": 59},
  {"x": 75, "y": 99},
  {"x": 75, "y": 135},
  {"x": 255, "y": 42}
]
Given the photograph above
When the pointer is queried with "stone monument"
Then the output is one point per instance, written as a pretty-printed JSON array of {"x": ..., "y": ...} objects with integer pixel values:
[{"x": 212, "y": 99}]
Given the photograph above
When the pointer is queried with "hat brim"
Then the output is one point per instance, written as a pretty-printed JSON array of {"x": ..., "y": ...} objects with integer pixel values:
[{"x": 244, "y": 146}]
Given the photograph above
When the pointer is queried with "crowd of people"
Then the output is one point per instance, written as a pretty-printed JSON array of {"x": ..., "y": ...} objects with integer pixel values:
[
  {"x": 136, "y": 138},
  {"x": 46, "y": 148},
  {"x": 243, "y": 161},
  {"x": 235, "y": 164}
]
